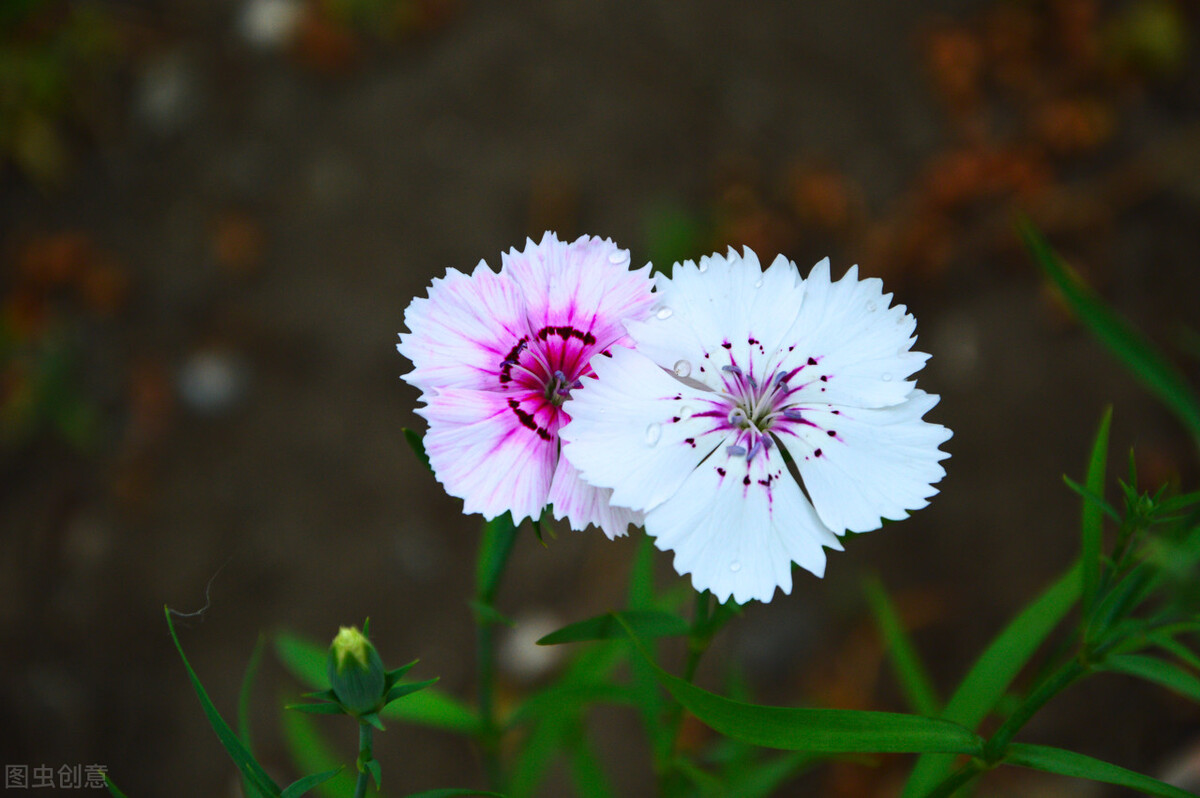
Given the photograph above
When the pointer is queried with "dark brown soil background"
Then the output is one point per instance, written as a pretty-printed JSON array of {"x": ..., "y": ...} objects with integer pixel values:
[{"x": 217, "y": 245}]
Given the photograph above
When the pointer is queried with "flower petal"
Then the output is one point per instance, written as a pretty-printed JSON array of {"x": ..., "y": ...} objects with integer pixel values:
[
  {"x": 638, "y": 430},
  {"x": 461, "y": 333},
  {"x": 862, "y": 465},
  {"x": 490, "y": 453},
  {"x": 719, "y": 312},
  {"x": 737, "y": 526},
  {"x": 583, "y": 504},
  {"x": 860, "y": 344}
]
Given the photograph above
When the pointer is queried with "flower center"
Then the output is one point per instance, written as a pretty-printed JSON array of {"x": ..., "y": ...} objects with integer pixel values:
[
  {"x": 755, "y": 405},
  {"x": 558, "y": 388}
]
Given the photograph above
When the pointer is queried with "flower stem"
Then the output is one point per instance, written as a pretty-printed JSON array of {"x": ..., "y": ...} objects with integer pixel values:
[
  {"x": 957, "y": 780},
  {"x": 699, "y": 636},
  {"x": 1058, "y": 681},
  {"x": 495, "y": 547},
  {"x": 365, "y": 755}
]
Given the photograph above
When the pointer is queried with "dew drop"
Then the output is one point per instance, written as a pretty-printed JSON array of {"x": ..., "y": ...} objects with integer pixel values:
[
  {"x": 758, "y": 283},
  {"x": 872, "y": 307},
  {"x": 682, "y": 368},
  {"x": 685, "y": 412},
  {"x": 653, "y": 433},
  {"x": 735, "y": 566},
  {"x": 618, "y": 256},
  {"x": 663, "y": 313},
  {"x": 887, "y": 377}
]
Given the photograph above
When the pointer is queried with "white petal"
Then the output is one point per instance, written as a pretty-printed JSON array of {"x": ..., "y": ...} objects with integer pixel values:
[
  {"x": 860, "y": 344},
  {"x": 482, "y": 454},
  {"x": 722, "y": 311},
  {"x": 638, "y": 430},
  {"x": 872, "y": 463},
  {"x": 737, "y": 527},
  {"x": 583, "y": 504},
  {"x": 462, "y": 332}
]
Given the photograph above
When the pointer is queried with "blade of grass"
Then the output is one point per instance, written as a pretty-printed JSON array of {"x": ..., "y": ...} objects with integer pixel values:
[
  {"x": 243, "y": 709},
  {"x": 1070, "y": 763},
  {"x": 1092, "y": 522},
  {"x": 914, "y": 678},
  {"x": 1124, "y": 341}
]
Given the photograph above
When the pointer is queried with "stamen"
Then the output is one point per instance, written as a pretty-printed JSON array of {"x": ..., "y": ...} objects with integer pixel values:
[
  {"x": 732, "y": 370},
  {"x": 756, "y": 448},
  {"x": 735, "y": 451},
  {"x": 794, "y": 413},
  {"x": 737, "y": 417}
]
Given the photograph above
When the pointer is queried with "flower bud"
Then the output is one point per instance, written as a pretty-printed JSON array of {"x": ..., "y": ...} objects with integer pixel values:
[{"x": 355, "y": 672}]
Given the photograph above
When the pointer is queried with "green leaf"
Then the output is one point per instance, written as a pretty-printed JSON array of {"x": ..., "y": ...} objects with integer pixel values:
[
  {"x": 833, "y": 731},
  {"x": 430, "y": 707},
  {"x": 586, "y": 774},
  {"x": 1172, "y": 646},
  {"x": 989, "y": 678},
  {"x": 113, "y": 790},
  {"x": 1124, "y": 341},
  {"x": 1100, "y": 503},
  {"x": 645, "y": 623},
  {"x": 301, "y": 786},
  {"x": 1069, "y": 763},
  {"x": 250, "y": 769},
  {"x": 1165, "y": 674},
  {"x": 485, "y": 613},
  {"x": 452, "y": 792},
  {"x": 376, "y": 770},
  {"x": 499, "y": 534},
  {"x": 764, "y": 778},
  {"x": 310, "y": 753},
  {"x": 1092, "y": 524},
  {"x": 914, "y": 679},
  {"x": 418, "y": 446},
  {"x": 243, "y": 710}
]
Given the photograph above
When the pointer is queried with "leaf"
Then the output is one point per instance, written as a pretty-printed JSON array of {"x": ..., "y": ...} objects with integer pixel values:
[
  {"x": 914, "y": 679},
  {"x": 243, "y": 710},
  {"x": 303, "y": 785},
  {"x": 251, "y": 770},
  {"x": 588, "y": 777},
  {"x": 990, "y": 676},
  {"x": 418, "y": 446},
  {"x": 1092, "y": 523},
  {"x": 485, "y": 613},
  {"x": 765, "y": 778},
  {"x": 645, "y": 623},
  {"x": 310, "y": 752},
  {"x": 430, "y": 707},
  {"x": 1165, "y": 674},
  {"x": 113, "y": 790},
  {"x": 1124, "y": 341},
  {"x": 407, "y": 688},
  {"x": 1070, "y": 763},
  {"x": 452, "y": 792},
  {"x": 499, "y": 534},
  {"x": 1084, "y": 494},
  {"x": 833, "y": 731}
]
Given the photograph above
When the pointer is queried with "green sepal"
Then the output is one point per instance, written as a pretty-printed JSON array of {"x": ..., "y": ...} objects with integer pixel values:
[
  {"x": 372, "y": 718},
  {"x": 394, "y": 675},
  {"x": 486, "y": 613},
  {"x": 376, "y": 770},
  {"x": 324, "y": 695},
  {"x": 318, "y": 709},
  {"x": 303, "y": 785},
  {"x": 418, "y": 446},
  {"x": 401, "y": 690}
]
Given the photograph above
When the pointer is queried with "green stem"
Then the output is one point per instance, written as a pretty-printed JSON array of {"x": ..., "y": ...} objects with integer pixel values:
[
  {"x": 699, "y": 636},
  {"x": 1058, "y": 681},
  {"x": 956, "y": 780},
  {"x": 494, "y": 549},
  {"x": 365, "y": 755}
]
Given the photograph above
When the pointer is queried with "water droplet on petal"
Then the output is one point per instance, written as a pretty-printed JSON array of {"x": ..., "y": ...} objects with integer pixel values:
[
  {"x": 758, "y": 283},
  {"x": 887, "y": 377},
  {"x": 618, "y": 256},
  {"x": 653, "y": 433},
  {"x": 685, "y": 412},
  {"x": 682, "y": 368},
  {"x": 663, "y": 313},
  {"x": 872, "y": 307},
  {"x": 735, "y": 566},
  {"x": 702, "y": 268}
]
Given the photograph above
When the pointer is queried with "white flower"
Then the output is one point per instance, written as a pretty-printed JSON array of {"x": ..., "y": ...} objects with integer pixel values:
[{"x": 735, "y": 365}]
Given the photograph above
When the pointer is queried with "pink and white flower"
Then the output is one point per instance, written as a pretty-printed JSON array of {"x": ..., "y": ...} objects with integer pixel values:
[
  {"x": 497, "y": 355},
  {"x": 735, "y": 366}
]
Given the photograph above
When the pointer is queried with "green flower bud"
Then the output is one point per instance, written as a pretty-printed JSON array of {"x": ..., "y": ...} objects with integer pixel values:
[{"x": 356, "y": 672}]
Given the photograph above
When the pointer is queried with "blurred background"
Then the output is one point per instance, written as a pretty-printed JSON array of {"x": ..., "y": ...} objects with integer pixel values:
[{"x": 214, "y": 212}]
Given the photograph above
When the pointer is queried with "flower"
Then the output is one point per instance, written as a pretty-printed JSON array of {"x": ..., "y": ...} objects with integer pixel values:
[
  {"x": 736, "y": 367},
  {"x": 497, "y": 355}
]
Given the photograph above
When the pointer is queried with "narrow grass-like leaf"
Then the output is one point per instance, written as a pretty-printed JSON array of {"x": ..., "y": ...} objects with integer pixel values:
[
  {"x": 1179, "y": 650},
  {"x": 485, "y": 613},
  {"x": 499, "y": 534},
  {"x": 1092, "y": 522},
  {"x": 310, "y": 752},
  {"x": 418, "y": 446},
  {"x": 452, "y": 792},
  {"x": 990, "y": 676},
  {"x": 113, "y": 790},
  {"x": 646, "y": 623},
  {"x": 1070, "y": 763},
  {"x": 1165, "y": 674},
  {"x": 764, "y": 778},
  {"x": 1125, "y": 342},
  {"x": 250, "y": 769},
  {"x": 243, "y": 708},
  {"x": 303, "y": 785},
  {"x": 538, "y": 751},
  {"x": 430, "y": 707},
  {"x": 588, "y": 777},
  {"x": 1100, "y": 503},
  {"x": 834, "y": 731},
  {"x": 914, "y": 678}
]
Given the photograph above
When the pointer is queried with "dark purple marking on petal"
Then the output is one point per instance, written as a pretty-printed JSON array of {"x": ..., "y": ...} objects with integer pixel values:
[
  {"x": 812, "y": 361},
  {"x": 746, "y": 480},
  {"x": 606, "y": 353},
  {"x": 824, "y": 378},
  {"x": 836, "y": 412},
  {"x": 511, "y": 358},
  {"x": 566, "y": 332},
  {"x": 720, "y": 471},
  {"x": 528, "y": 420},
  {"x": 674, "y": 419},
  {"x": 817, "y": 453},
  {"x": 752, "y": 340},
  {"x": 727, "y": 345},
  {"x": 690, "y": 441},
  {"x": 831, "y": 433}
]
